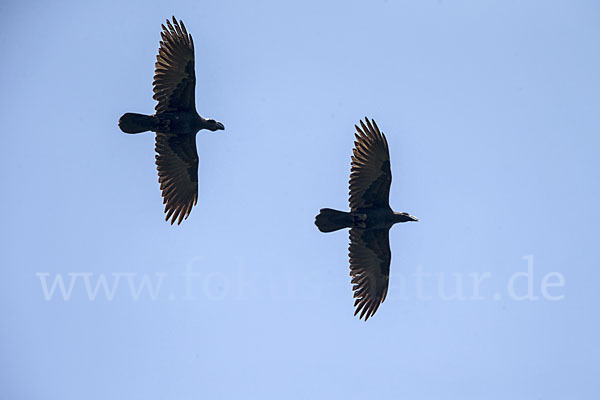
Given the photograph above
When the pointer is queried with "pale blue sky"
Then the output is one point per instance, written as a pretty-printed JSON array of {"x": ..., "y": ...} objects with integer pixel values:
[{"x": 491, "y": 110}]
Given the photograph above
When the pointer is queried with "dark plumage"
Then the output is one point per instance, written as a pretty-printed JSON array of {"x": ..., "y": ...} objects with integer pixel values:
[
  {"x": 370, "y": 219},
  {"x": 175, "y": 122}
]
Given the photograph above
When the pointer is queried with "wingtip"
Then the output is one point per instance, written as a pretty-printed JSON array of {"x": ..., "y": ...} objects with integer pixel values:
[
  {"x": 374, "y": 124},
  {"x": 368, "y": 120},
  {"x": 365, "y": 129}
]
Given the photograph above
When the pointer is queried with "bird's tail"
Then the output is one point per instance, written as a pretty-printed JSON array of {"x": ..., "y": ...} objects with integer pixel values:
[
  {"x": 136, "y": 123},
  {"x": 330, "y": 220}
]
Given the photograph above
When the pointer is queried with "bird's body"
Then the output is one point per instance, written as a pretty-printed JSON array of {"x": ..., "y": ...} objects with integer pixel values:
[
  {"x": 180, "y": 123},
  {"x": 378, "y": 218},
  {"x": 369, "y": 219},
  {"x": 365, "y": 218},
  {"x": 175, "y": 122}
]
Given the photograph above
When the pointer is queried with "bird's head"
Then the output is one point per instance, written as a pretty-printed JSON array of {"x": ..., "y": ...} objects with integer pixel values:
[
  {"x": 213, "y": 125},
  {"x": 404, "y": 217}
]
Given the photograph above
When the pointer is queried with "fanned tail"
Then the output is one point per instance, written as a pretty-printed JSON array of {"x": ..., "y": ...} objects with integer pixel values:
[
  {"x": 330, "y": 220},
  {"x": 137, "y": 123}
]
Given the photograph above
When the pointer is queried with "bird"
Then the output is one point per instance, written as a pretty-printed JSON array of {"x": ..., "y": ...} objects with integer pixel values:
[
  {"x": 370, "y": 218},
  {"x": 175, "y": 121}
]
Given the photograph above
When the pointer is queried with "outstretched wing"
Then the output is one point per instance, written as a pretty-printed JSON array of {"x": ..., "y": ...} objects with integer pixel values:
[
  {"x": 177, "y": 164},
  {"x": 370, "y": 176},
  {"x": 174, "y": 77},
  {"x": 370, "y": 258}
]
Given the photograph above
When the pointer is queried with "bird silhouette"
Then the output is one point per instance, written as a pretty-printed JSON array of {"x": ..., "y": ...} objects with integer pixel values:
[
  {"x": 370, "y": 218},
  {"x": 175, "y": 121}
]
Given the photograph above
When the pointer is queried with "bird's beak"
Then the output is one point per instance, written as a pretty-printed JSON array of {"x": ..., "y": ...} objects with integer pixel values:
[
  {"x": 413, "y": 218},
  {"x": 220, "y": 126}
]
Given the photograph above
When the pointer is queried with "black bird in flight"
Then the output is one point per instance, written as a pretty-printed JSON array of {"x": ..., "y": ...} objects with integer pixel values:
[
  {"x": 175, "y": 122},
  {"x": 370, "y": 219}
]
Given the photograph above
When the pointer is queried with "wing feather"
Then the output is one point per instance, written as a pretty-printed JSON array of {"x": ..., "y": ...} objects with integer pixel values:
[
  {"x": 177, "y": 165},
  {"x": 174, "y": 77},
  {"x": 370, "y": 258},
  {"x": 370, "y": 173}
]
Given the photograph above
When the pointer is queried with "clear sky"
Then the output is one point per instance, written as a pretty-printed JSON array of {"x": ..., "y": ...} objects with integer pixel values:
[{"x": 491, "y": 110}]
